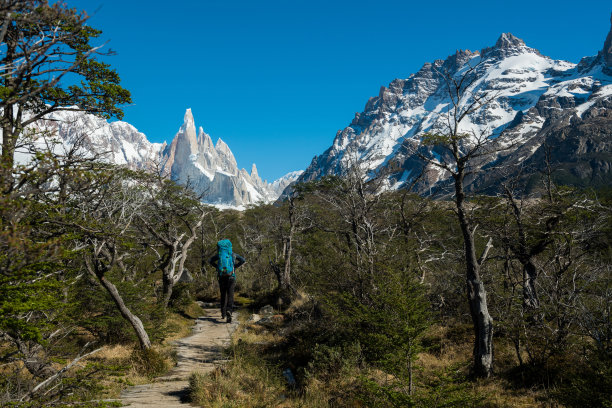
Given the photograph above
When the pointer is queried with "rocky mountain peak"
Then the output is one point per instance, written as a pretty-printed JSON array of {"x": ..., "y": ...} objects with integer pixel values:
[
  {"x": 535, "y": 96},
  {"x": 222, "y": 147},
  {"x": 204, "y": 140},
  {"x": 211, "y": 172},
  {"x": 188, "y": 122},
  {"x": 187, "y": 133},
  {"x": 607, "y": 48},
  {"x": 508, "y": 40},
  {"x": 458, "y": 59},
  {"x": 507, "y": 45},
  {"x": 227, "y": 161}
]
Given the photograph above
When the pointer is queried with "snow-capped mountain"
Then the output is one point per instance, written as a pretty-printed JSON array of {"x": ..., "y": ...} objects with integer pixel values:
[
  {"x": 282, "y": 183},
  {"x": 539, "y": 105},
  {"x": 116, "y": 142},
  {"x": 209, "y": 169}
]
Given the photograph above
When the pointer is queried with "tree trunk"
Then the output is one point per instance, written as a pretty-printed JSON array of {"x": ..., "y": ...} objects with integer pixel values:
[
  {"x": 173, "y": 270},
  {"x": 167, "y": 287},
  {"x": 9, "y": 130},
  {"x": 530, "y": 296},
  {"x": 525, "y": 255},
  {"x": 483, "y": 329},
  {"x": 8, "y": 149},
  {"x": 285, "y": 280},
  {"x": 136, "y": 323},
  {"x": 285, "y": 288},
  {"x": 410, "y": 386},
  {"x": 477, "y": 296},
  {"x": 277, "y": 272}
]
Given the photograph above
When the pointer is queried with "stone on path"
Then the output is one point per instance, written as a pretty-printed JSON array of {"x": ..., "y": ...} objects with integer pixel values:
[{"x": 202, "y": 352}]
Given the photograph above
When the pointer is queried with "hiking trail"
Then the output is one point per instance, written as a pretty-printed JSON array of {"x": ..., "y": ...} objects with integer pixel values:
[{"x": 201, "y": 351}]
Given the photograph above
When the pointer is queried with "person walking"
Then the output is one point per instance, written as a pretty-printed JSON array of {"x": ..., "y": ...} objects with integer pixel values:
[{"x": 226, "y": 262}]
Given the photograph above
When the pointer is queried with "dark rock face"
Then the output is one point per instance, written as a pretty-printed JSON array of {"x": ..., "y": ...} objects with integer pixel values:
[{"x": 607, "y": 48}]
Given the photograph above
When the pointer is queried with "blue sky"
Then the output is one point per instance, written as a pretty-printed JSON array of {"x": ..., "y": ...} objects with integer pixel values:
[{"x": 276, "y": 79}]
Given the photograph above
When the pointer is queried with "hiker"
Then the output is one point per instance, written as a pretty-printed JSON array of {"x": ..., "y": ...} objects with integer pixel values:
[{"x": 226, "y": 262}]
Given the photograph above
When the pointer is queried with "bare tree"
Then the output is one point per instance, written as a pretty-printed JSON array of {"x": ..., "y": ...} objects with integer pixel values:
[
  {"x": 172, "y": 218},
  {"x": 112, "y": 218},
  {"x": 354, "y": 197},
  {"x": 527, "y": 247},
  {"x": 297, "y": 222},
  {"x": 463, "y": 154}
]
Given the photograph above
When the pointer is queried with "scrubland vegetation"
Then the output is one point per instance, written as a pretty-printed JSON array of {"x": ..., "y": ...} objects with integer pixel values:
[
  {"x": 370, "y": 288},
  {"x": 376, "y": 313}
]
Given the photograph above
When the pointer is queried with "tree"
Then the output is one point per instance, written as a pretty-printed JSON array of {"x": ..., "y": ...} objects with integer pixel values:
[
  {"x": 355, "y": 201},
  {"x": 296, "y": 216},
  {"x": 108, "y": 234},
  {"x": 44, "y": 47},
  {"x": 171, "y": 217},
  {"x": 463, "y": 152}
]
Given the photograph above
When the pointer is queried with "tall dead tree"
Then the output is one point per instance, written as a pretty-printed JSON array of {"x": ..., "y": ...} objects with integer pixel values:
[
  {"x": 296, "y": 218},
  {"x": 463, "y": 152}
]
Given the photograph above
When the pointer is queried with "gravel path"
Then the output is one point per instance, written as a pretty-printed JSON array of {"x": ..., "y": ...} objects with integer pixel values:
[{"x": 201, "y": 351}]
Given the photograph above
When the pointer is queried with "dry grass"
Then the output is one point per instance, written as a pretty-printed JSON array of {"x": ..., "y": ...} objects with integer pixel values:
[
  {"x": 454, "y": 349},
  {"x": 247, "y": 380}
]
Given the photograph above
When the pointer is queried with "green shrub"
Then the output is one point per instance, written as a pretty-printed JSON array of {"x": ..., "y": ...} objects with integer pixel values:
[
  {"x": 149, "y": 362},
  {"x": 329, "y": 363}
]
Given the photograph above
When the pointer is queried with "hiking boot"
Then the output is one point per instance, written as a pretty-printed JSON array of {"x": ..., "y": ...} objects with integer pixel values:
[{"x": 229, "y": 317}]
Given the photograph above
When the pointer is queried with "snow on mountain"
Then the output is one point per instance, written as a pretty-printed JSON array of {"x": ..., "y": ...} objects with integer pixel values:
[
  {"x": 532, "y": 94},
  {"x": 281, "y": 184},
  {"x": 209, "y": 169},
  {"x": 117, "y": 142}
]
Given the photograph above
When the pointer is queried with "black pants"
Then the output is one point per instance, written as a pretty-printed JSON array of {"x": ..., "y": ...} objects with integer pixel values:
[{"x": 227, "y": 284}]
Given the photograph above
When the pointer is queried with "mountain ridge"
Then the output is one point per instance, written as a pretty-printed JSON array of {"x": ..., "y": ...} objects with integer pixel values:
[{"x": 535, "y": 95}]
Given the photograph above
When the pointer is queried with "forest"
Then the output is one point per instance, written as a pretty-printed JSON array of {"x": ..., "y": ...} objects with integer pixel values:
[{"x": 380, "y": 298}]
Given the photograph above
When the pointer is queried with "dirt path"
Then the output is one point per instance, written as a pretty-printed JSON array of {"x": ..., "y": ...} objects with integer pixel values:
[{"x": 202, "y": 352}]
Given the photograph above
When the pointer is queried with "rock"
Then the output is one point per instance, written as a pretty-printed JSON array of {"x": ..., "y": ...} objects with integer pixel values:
[
  {"x": 270, "y": 320},
  {"x": 267, "y": 311},
  {"x": 207, "y": 305},
  {"x": 607, "y": 48},
  {"x": 254, "y": 318},
  {"x": 186, "y": 277},
  {"x": 289, "y": 377}
]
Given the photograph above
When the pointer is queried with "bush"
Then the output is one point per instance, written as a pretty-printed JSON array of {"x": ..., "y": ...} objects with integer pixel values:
[
  {"x": 329, "y": 363},
  {"x": 149, "y": 362}
]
